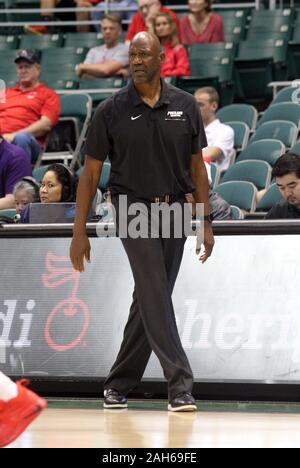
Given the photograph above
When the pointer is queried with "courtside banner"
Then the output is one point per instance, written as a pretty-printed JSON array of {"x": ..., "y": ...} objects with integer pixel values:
[{"x": 238, "y": 314}]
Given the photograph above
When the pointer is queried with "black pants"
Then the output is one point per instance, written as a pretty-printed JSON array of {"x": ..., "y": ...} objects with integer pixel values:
[{"x": 151, "y": 325}]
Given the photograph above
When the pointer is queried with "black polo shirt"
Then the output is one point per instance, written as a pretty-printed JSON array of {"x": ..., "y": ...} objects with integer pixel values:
[
  {"x": 150, "y": 149},
  {"x": 283, "y": 210}
]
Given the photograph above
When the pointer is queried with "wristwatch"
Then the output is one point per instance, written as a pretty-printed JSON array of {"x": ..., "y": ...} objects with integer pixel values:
[{"x": 208, "y": 218}]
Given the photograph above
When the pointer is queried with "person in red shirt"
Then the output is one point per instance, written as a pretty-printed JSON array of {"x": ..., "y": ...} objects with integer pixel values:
[
  {"x": 141, "y": 21},
  {"x": 176, "y": 57},
  {"x": 31, "y": 109},
  {"x": 201, "y": 25}
]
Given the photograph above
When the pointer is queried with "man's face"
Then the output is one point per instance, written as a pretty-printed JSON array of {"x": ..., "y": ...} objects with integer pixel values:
[
  {"x": 207, "y": 108},
  {"x": 289, "y": 186},
  {"x": 145, "y": 60},
  {"x": 110, "y": 31},
  {"x": 149, "y": 8},
  {"x": 28, "y": 73}
]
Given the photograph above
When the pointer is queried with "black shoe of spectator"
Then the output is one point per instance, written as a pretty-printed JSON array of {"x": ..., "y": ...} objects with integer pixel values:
[
  {"x": 184, "y": 401},
  {"x": 114, "y": 399}
]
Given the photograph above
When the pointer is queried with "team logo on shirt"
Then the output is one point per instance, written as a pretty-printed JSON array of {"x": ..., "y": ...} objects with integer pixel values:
[{"x": 175, "y": 115}]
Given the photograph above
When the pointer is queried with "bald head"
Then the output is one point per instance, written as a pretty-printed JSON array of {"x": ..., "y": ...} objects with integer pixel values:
[{"x": 145, "y": 57}]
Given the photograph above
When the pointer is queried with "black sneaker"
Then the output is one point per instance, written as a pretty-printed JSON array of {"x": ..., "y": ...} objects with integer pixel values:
[
  {"x": 183, "y": 402},
  {"x": 114, "y": 399}
]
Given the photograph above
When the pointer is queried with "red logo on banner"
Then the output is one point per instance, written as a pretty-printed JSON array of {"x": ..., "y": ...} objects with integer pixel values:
[{"x": 59, "y": 272}]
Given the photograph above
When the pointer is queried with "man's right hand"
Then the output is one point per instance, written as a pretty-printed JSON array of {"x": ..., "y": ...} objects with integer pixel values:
[{"x": 80, "y": 248}]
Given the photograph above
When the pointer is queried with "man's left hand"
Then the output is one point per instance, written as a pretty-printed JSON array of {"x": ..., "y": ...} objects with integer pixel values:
[{"x": 208, "y": 242}]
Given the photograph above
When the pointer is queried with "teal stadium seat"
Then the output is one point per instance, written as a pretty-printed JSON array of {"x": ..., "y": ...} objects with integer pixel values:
[
  {"x": 215, "y": 175},
  {"x": 271, "y": 197},
  {"x": 46, "y": 41},
  {"x": 239, "y": 113},
  {"x": 287, "y": 111},
  {"x": 9, "y": 42},
  {"x": 288, "y": 94},
  {"x": 255, "y": 171},
  {"x": 239, "y": 193},
  {"x": 39, "y": 173},
  {"x": 87, "y": 39},
  {"x": 296, "y": 148},
  {"x": 102, "y": 84},
  {"x": 241, "y": 134},
  {"x": 236, "y": 213},
  {"x": 263, "y": 150},
  {"x": 286, "y": 132}
]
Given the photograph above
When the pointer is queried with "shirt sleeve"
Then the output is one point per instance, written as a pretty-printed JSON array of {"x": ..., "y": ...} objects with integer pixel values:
[
  {"x": 51, "y": 107},
  {"x": 90, "y": 58},
  {"x": 224, "y": 140},
  {"x": 99, "y": 144},
  {"x": 198, "y": 133},
  {"x": 122, "y": 56},
  {"x": 132, "y": 30},
  {"x": 18, "y": 168},
  {"x": 218, "y": 34}
]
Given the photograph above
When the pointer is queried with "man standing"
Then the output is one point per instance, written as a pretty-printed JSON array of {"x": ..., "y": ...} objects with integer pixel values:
[
  {"x": 154, "y": 136},
  {"x": 31, "y": 109},
  {"x": 110, "y": 59}
]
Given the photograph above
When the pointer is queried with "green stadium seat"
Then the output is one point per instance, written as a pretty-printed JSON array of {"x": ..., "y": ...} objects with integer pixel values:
[
  {"x": 263, "y": 150},
  {"x": 235, "y": 17},
  {"x": 241, "y": 134},
  {"x": 8, "y": 213},
  {"x": 46, "y": 41},
  {"x": 39, "y": 173},
  {"x": 9, "y": 42},
  {"x": 64, "y": 57},
  {"x": 215, "y": 51},
  {"x": 286, "y": 95},
  {"x": 288, "y": 111},
  {"x": 294, "y": 53},
  {"x": 239, "y": 193},
  {"x": 270, "y": 198},
  {"x": 234, "y": 34},
  {"x": 296, "y": 148},
  {"x": 105, "y": 174},
  {"x": 102, "y": 84},
  {"x": 257, "y": 64},
  {"x": 88, "y": 39},
  {"x": 236, "y": 213},
  {"x": 255, "y": 171},
  {"x": 190, "y": 84},
  {"x": 76, "y": 110},
  {"x": 7, "y": 58},
  {"x": 271, "y": 24},
  {"x": 54, "y": 75},
  {"x": 61, "y": 85},
  {"x": 239, "y": 113},
  {"x": 286, "y": 132}
]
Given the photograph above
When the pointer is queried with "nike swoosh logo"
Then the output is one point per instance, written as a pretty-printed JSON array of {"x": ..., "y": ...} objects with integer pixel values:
[{"x": 137, "y": 117}]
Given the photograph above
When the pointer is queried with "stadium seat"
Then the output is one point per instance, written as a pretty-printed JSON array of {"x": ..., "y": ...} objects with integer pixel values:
[
  {"x": 46, "y": 41},
  {"x": 60, "y": 85},
  {"x": 255, "y": 171},
  {"x": 239, "y": 193},
  {"x": 271, "y": 197},
  {"x": 286, "y": 132},
  {"x": 105, "y": 174},
  {"x": 8, "y": 213},
  {"x": 294, "y": 52},
  {"x": 190, "y": 84},
  {"x": 286, "y": 95},
  {"x": 9, "y": 42},
  {"x": 236, "y": 213},
  {"x": 76, "y": 111},
  {"x": 61, "y": 58},
  {"x": 88, "y": 39},
  {"x": 39, "y": 173},
  {"x": 104, "y": 85},
  {"x": 215, "y": 175},
  {"x": 241, "y": 134},
  {"x": 263, "y": 150},
  {"x": 296, "y": 148},
  {"x": 213, "y": 51},
  {"x": 288, "y": 111},
  {"x": 239, "y": 113},
  {"x": 257, "y": 64},
  {"x": 271, "y": 24}
]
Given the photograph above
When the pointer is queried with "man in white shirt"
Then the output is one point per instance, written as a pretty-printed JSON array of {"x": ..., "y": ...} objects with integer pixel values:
[
  {"x": 220, "y": 137},
  {"x": 110, "y": 59}
]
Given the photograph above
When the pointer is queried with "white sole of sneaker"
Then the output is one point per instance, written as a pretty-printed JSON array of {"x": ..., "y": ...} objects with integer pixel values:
[
  {"x": 185, "y": 408},
  {"x": 118, "y": 406}
]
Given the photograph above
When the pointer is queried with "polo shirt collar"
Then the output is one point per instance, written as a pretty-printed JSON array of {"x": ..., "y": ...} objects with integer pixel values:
[{"x": 137, "y": 100}]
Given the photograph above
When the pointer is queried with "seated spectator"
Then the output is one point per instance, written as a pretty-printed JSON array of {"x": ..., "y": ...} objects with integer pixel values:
[
  {"x": 59, "y": 185},
  {"x": 142, "y": 20},
  {"x": 176, "y": 61},
  {"x": 31, "y": 109},
  {"x": 70, "y": 16},
  {"x": 14, "y": 165},
  {"x": 110, "y": 59},
  {"x": 220, "y": 137},
  {"x": 114, "y": 6},
  {"x": 201, "y": 25},
  {"x": 26, "y": 191},
  {"x": 287, "y": 174}
]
